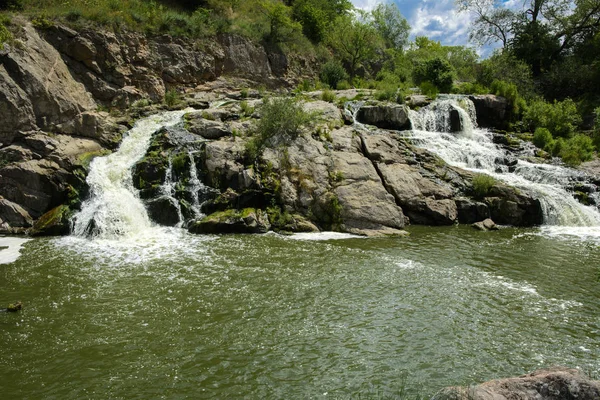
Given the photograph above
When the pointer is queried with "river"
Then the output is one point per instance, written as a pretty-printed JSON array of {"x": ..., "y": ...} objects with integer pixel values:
[{"x": 140, "y": 311}]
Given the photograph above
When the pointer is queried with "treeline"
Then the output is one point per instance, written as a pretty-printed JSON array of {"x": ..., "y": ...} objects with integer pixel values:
[{"x": 547, "y": 65}]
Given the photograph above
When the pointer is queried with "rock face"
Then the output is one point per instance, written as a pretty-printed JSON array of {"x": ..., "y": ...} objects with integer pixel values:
[
  {"x": 54, "y": 80},
  {"x": 556, "y": 383},
  {"x": 386, "y": 116},
  {"x": 248, "y": 220},
  {"x": 492, "y": 111}
]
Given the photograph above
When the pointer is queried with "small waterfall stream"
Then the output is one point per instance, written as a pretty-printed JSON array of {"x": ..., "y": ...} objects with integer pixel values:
[
  {"x": 114, "y": 209},
  {"x": 473, "y": 149},
  {"x": 168, "y": 190},
  {"x": 196, "y": 186}
]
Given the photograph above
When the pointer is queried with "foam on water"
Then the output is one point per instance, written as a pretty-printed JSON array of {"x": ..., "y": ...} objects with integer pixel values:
[
  {"x": 12, "y": 253},
  {"x": 322, "y": 236}
]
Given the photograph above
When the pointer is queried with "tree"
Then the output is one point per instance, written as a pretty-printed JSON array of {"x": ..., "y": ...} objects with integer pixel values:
[
  {"x": 354, "y": 41},
  {"x": 437, "y": 71},
  {"x": 281, "y": 27},
  {"x": 391, "y": 25},
  {"x": 493, "y": 23},
  {"x": 316, "y": 16}
]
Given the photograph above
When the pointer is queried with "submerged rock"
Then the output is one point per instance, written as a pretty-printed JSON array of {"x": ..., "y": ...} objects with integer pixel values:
[
  {"x": 485, "y": 225},
  {"x": 556, "y": 383}
]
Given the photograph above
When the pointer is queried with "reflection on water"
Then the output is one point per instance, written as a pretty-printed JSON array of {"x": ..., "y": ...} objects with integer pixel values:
[{"x": 168, "y": 314}]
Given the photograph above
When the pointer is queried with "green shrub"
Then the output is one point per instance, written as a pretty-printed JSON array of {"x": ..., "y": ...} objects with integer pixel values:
[
  {"x": 281, "y": 120},
  {"x": 344, "y": 85},
  {"x": 5, "y": 35},
  {"x": 332, "y": 73},
  {"x": 561, "y": 117},
  {"x": 14, "y": 5},
  {"x": 328, "y": 96},
  {"x": 429, "y": 89},
  {"x": 482, "y": 184},
  {"x": 244, "y": 93},
  {"x": 510, "y": 92},
  {"x": 470, "y": 88},
  {"x": 542, "y": 138},
  {"x": 172, "y": 97},
  {"x": 437, "y": 71},
  {"x": 596, "y": 134},
  {"x": 578, "y": 149},
  {"x": 247, "y": 110},
  {"x": 557, "y": 146}
]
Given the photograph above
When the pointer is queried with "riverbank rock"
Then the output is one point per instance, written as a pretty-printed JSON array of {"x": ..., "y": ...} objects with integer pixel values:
[
  {"x": 385, "y": 116},
  {"x": 248, "y": 220},
  {"x": 557, "y": 383}
]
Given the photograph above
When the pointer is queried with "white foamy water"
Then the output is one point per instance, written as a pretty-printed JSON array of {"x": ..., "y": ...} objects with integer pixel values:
[
  {"x": 474, "y": 150},
  {"x": 13, "y": 252},
  {"x": 321, "y": 236},
  {"x": 114, "y": 210}
]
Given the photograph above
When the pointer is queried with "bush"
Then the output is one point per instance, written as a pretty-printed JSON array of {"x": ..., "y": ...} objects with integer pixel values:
[
  {"x": 281, "y": 120},
  {"x": 542, "y": 138},
  {"x": 343, "y": 85},
  {"x": 470, "y": 88},
  {"x": 510, "y": 92},
  {"x": 596, "y": 134},
  {"x": 482, "y": 184},
  {"x": 429, "y": 89},
  {"x": 247, "y": 109},
  {"x": 328, "y": 96},
  {"x": 333, "y": 73},
  {"x": 437, "y": 71},
  {"x": 172, "y": 97},
  {"x": 15, "y": 5},
  {"x": 578, "y": 149},
  {"x": 561, "y": 117},
  {"x": 5, "y": 35}
]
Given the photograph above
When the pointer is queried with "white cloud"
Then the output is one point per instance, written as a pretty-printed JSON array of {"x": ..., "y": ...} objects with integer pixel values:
[{"x": 440, "y": 21}]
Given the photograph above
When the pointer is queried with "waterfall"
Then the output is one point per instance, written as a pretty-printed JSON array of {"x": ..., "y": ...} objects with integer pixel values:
[
  {"x": 473, "y": 149},
  {"x": 196, "y": 186},
  {"x": 114, "y": 208},
  {"x": 168, "y": 190}
]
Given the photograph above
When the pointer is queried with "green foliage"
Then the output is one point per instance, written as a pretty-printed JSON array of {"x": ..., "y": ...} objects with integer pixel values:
[
  {"x": 5, "y": 35},
  {"x": 510, "y": 92},
  {"x": 328, "y": 96},
  {"x": 244, "y": 93},
  {"x": 172, "y": 98},
  {"x": 596, "y": 132},
  {"x": 470, "y": 88},
  {"x": 429, "y": 89},
  {"x": 391, "y": 25},
  {"x": 247, "y": 110},
  {"x": 502, "y": 66},
  {"x": 332, "y": 73},
  {"x": 316, "y": 16},
  {"x": 344, "y": 85},
  {"x": 281, "y": 27},
  {"x": 561, "y": 117},
  {"x": 578, "y": 149},
  {"x": 13, "y": 5},
  {"x": 482, "y": 185},
  {"x": 543, "y": 139},
  {"x": 437, "y": 71},
  {"x": 281, "y": 120},
  {"x": 354, "y": 42}
]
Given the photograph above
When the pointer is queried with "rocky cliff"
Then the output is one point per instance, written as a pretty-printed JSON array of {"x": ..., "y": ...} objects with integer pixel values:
[{"x": 55, "y": 83}]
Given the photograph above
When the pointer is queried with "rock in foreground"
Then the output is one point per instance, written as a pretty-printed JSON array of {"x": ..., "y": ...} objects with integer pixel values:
[{"x": 556, "y": 383}]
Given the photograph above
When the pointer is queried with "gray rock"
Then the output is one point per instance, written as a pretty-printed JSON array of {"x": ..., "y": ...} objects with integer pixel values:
[
  {"x": 492, "y": 111},
  {"x": 485, "y": 225},
  {"x": 248, "y": 220},
  {"x": 385, "y": 116},
  {"x": 208, "y": 129},
  {"x": 470, "y": 211},
  {"x": 163, "y": 211},
  {"x": 556, "y": 383},
  {"x": 14, "y": 215}
]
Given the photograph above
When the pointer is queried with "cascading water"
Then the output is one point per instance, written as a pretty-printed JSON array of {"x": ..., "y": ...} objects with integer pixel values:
[
  {"x": 114, "y": 209},
  {"x": 168, "y": 190},
  {"x": 196, "y": 186},
  {"x": 473, "y": 149}
]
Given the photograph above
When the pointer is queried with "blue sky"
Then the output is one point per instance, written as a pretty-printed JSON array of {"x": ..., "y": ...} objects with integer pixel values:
[{"x": 436, "y": 19}]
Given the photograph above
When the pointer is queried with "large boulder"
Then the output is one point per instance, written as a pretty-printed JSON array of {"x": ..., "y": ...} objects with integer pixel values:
[
  {"x": 385, "y": 116},
  {"x": 206, "y": 128},
  {"x": 492, "y": 111},
  {"x": 557, "y": 383}
]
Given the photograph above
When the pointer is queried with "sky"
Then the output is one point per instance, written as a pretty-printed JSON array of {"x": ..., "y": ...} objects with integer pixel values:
[{"x": 436, "y": 19}]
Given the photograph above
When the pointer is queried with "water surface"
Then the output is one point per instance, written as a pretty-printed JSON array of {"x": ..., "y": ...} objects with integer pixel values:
[{"x": 170, "y": 315}]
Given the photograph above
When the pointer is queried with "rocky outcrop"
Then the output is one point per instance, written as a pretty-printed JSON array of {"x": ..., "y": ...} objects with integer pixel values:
[
  {"x": 385, "y": 116},
  {"x": 492, "y": 111},
  {"x": 248, "y": 220},
  {"x": 555, "y": 383}
]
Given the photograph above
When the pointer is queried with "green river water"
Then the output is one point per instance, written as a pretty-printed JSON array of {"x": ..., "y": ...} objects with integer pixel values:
[{"x": 174, "y": 316}]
